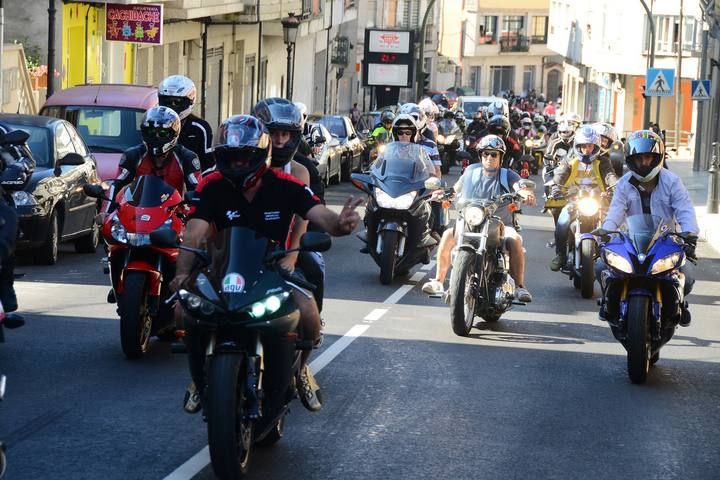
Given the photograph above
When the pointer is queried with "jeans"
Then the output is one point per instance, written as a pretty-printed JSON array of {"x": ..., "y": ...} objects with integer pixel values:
[
  {"x": 562, "y": 228},
  {"x": 312, "y": 265}
]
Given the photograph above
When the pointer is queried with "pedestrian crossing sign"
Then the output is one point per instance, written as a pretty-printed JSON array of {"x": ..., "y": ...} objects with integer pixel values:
[
  {"x": 660, "y": 82},
  {"x": 701, "y": 89}
]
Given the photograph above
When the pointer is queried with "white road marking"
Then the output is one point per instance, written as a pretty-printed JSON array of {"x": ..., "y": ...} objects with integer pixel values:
[
  {"x": 375, "y": 315},
  {"x": 429, "y": 266},
  {"x": 334, "y": 350},
  {"x": 417, "y": 276},
  {"x": 192, "y": 467},
  {"x": 399, "y": 293}
]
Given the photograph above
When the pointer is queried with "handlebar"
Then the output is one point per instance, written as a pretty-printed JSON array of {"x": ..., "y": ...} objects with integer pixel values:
[{"x": 297, "y": 280}]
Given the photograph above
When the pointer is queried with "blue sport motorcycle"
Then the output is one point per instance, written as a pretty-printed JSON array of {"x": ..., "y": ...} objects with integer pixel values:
[{"x": 643, "y": 288}]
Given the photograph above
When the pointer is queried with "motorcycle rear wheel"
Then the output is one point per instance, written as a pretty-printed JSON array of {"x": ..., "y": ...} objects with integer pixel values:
[
  {"x": 135, "y": 322},
  {"x": 462, "y": 300},
  {"x": 587, "y": 265},
  {"x": 638, "y": 339},
  {"x": 388, "y": 256},
  {"x": 230, "y": 432}
]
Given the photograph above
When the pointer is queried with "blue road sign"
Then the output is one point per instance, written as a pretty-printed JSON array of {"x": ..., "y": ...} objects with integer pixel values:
[
  {"x": 660, "y": 82},
  {"x": 701, "y": 89}
]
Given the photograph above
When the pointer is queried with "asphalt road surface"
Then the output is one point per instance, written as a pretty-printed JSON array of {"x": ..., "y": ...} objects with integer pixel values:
[{"x": 542, "y": 394}]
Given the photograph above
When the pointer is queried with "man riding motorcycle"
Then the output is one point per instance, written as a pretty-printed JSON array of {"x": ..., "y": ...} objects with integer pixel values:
[
  {"x": 178, "y": 92},
  {"x": 495, "y": 180},
  {"x": 585, "y": 162},
  {"x": 245, "y": 191},
  {"x": 654, "y": 190},
  {"x": 428, "y": 145},
  {"x": 478, "y": 127}
]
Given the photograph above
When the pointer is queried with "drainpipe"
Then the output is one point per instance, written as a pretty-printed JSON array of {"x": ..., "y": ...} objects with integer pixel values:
[
  {"x": 259, "y": 61},
  {"x": 51, "y": 49},
  {"x": 203, "y": 75},
  {"x": 327, "y": 59},
  {"x": 87, "y": 16}
]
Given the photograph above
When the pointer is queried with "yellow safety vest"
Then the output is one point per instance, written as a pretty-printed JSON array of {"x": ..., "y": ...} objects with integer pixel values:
[{"x": 575, "y": 176}]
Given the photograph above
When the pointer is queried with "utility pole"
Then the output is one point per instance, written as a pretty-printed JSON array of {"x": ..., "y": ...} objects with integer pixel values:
[
  {"x": 421, "y": 60},
  {"x": 701, "y": 120},
  {"x": 678, "y": 82},
  {"x": 51, "y": 49},
  {"x": 2, "y": 47},
  {"x": 651, "y": 24}
]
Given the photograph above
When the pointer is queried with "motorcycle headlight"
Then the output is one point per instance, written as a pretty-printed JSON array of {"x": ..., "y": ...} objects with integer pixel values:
[
  {"x": 474, "y": 216},
  {"x": 449, "y": 138},
  {"x": 588, "y": 206},
  {"x": 529, "y": 143},
  {"x": 665, "y": 264},
  {"x": 402, "y": 202},
  {"x": 22, "y": 198},
  {"x": 381, "y": 148},
  {"x": 618, "y": 262},
  {"x": 268, "y": 305},
  {"x": 118, "y": 231},
  {"x": 196, "y": 303}
]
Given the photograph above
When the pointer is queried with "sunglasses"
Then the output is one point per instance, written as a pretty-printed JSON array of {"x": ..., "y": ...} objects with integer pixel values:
[
  {"x": 404, "y": 132},
  {"x": 491, "y": 154}
]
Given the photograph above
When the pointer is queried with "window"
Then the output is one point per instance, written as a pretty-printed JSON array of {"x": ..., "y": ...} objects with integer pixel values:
[
  {"x": 39, "y": 143},
  {"x": 502, "y": 79},
  {"x": 513, "y": 26},
  {"x": 487, "y": 33},
  {"x": 77, "y": 141},
  {"x": 63, "y": 142},
  {"x": 106, "y": 129},
  {"x": 538, "y": 30},
  {"x": 475, "y": 79},
  {"x": 666, "y": 34},
  {"x": 528, "y": 77}
]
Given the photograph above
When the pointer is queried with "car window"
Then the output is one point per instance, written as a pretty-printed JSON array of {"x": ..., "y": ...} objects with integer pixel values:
[
  {"x": 39, "y": 144},
  {"x": 77, "y": 141},
  {"x": 63, "y": 142},
  {"x": 335, "y": 125},
  {"x": 107, "y": 129}
]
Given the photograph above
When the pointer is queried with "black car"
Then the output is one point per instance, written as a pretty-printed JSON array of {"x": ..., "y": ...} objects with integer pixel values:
[
  {"x": 341, "y": 127},
  {"x": 53, "y": 207}
]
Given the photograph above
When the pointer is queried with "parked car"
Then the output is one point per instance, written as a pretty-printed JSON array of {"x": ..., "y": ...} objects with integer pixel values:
[
  {"x": 366, "y": 124},
  {"x": 107, "y": 117},
  {"x": 53, "y": 207},
  {"x": 341, "y": 126},
  {"x": 327, "y": 152},
  {"x": 470, "y": 104}
]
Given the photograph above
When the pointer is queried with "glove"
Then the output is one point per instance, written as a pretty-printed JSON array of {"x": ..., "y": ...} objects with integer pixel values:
[
  {"x": 690, "y": 245},
  {"x": 555, "y": 191}
]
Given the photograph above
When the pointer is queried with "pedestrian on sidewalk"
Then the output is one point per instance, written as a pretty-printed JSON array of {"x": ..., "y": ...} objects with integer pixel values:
[{"x": 355, "y": 114}]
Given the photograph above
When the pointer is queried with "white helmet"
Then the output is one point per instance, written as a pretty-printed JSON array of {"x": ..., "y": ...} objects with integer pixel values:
[
  {"x": 179, "y": 93},
  {"x": 414, "y": 110},
  {"x": 303, "y": 111}
]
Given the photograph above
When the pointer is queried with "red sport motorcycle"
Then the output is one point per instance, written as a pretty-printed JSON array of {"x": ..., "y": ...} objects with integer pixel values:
[{"x": 140, "y": 272}]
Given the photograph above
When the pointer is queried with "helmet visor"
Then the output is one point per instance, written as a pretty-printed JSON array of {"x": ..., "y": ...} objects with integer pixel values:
[
  {"x": 176, "y": 103},
  {"x": 238, "y": 159}
]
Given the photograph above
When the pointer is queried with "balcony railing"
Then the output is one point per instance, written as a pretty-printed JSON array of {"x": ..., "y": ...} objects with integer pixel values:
[{"x": 514, "y": 43}]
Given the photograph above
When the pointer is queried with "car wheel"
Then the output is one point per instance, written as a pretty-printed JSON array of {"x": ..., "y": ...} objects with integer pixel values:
[
  {"x": 346, "y": 170},
  {"x": 89, "y": 243},
  {"x": 48, "y": 253},
  {"x": 334, "y": 179}
]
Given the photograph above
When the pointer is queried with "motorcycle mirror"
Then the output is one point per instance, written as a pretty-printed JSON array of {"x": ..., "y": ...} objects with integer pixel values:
[
  {"x": 14, "y": 137},
  {"x": 433, "y": 183},
  {"x": 164, "y": 238},
  {"x": 315, "y": 242},
  {"x": 526, "y": 184},
  {"x": 94, "y": 191}
]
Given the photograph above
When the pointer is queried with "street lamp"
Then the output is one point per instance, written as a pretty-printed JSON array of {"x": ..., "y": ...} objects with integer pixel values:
[{"x": 290, "y": 29}]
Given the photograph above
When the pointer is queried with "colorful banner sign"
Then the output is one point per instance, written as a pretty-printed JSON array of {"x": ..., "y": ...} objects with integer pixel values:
[{"x": 134, "y": 23}]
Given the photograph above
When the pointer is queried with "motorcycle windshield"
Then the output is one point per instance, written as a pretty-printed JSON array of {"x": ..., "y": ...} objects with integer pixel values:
[
  {"x": 447, "y": 127},
  {"x": 471, "y": 189},
  {"x": 237, "y": 258},
  {"x": 401, "y": 168},
  {"x": 148, "y": 191},
  {"x": 644, "y": 229}
]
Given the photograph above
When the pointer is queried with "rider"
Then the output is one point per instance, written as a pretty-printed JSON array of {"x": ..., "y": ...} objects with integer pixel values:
[
  {"x": 478, "y": 127},
  {"x": 500, "y": 126},
  {"x": 283, "y": 121},
  {"x": 179, "y": 93},
  {"x": 608, "y": 136},
  {"x": 268, "y": 200},
  {"x": 304, "y": 147},
  {"x": 651, "y": 189},
  {"x": 585, "y": 162},
  {"x": 426, "y": 143},
  {"x": 492, "y": 181},
  {"x": 526, "y": 129},
  {"x": 382, "y": 132}
]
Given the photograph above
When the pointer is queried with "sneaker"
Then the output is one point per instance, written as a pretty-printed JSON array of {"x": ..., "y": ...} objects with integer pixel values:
[
  {"x": 192, "y": 402},
  {"x": 557, "y": 263},
  {"x": 522, "y": 295},
  {"x": 433, "y": 287},
  {"x": 309, "y": 390},
  {"x": 364, "y": 249},
  {"x": 13, "y": 320}
]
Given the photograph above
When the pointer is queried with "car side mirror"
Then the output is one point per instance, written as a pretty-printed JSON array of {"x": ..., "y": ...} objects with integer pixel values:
[
  {"x": 71, "y": 159},
  {"x": 315, "y": 242},
  {"x": 94, "y": 191},
  {"x": 164, "y": 238},
  {"x": 433, "y": 183}
]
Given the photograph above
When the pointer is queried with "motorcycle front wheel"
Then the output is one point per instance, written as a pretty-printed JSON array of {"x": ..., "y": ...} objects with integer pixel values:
[
  {"x": 462, "y": 298},
  {"x": 135, "y": 321},
  {"x": 230, "y": 431},
  {"x": 388, "y": 256},
  {"x": 638, "y": 339},
  {"x": 587, "y": 266}
]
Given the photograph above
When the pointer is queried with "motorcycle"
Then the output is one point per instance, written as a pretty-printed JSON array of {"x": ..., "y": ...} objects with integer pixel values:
[
  {"x": 448, "y": 142},
  {"x": 533, "y": 150},
  {"x": 3, "y": 459},
  {"x": 643, "y": 289},
  {"x": 480, "y": 282},
  {"x": 397, "y": 212},
  {"x": 587, "y": 205},
  {"x": 242, "y": 302},
  {"x": 140, "y": 285}
]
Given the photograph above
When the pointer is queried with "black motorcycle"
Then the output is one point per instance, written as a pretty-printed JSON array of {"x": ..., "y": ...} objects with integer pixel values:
[
  {"x": 3, "y": 460},
  {"x": 449, "y": 141},
  {"x": 480, "y": 282},
  {"x": 397, "y": 211},
  {"x": 242, "y": 303}
]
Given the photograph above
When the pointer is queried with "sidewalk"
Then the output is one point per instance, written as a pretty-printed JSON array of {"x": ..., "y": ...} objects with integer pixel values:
[{"x": 697, "y": 185}]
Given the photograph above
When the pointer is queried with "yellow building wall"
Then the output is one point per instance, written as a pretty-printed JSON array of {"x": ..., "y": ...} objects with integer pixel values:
[
  {"x": 76, "y": 19},
  {"x": 513, "y": 4}
]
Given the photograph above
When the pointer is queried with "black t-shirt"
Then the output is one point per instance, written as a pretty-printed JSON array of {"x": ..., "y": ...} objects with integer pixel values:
[
  {"x": 270, "y": 213},
  {"x": 196, "y": 135}
]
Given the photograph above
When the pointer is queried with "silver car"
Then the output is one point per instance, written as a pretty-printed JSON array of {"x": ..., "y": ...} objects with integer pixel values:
[{"x": 327, "y": 151}]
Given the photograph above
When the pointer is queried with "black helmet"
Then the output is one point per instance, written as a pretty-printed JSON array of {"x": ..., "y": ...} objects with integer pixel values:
[
  {"x": 387, "y": 116},
  {"x": 160, "y": 130},
  {"x": 641, "y": 142},
  {"x": 245, "y": 140},
  {"x": 492, "y": 142},
  {"x": 499, "y": 125},
  {"x": 281, "y": 114}
]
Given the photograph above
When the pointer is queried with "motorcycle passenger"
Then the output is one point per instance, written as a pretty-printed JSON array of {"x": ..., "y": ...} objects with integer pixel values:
[
  {"x": 16, "y": 166},
  {"x": 493, "y": 180},
  {"x": 654, "y": 190},
  {"x": 304, "y": 147},
  {"x": 608, "y": 136},
  {"x": 426, "y": 143},
  {"x": 563, "y": 138},
  {"x": 283, "y": 121},
  {"x": 179, "y": 93},
  {"x": 431, "y": 112},
  {"x": 245, "y": 191},
  {"x": 500, "y": 126},
  {"x": 585, "y": 162}
]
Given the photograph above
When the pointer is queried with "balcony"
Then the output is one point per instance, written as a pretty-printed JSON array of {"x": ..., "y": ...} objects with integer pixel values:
[{"x": 514, "y": 44}]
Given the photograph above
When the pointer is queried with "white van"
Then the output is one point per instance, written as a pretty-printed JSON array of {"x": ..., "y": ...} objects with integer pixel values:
[{"x": 470, "y": 104}]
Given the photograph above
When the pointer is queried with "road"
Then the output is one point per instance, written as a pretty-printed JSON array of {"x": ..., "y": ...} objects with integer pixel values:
[{"x": 542, "y": 394}]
